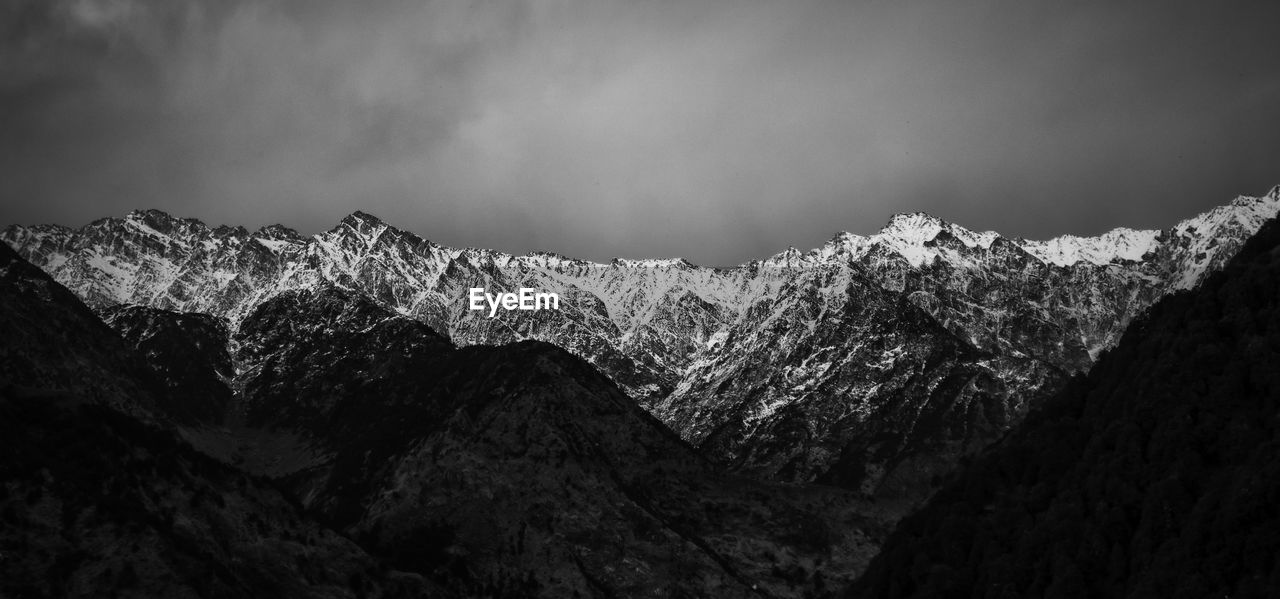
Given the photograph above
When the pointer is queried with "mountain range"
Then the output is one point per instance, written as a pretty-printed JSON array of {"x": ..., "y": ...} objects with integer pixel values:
[
  {"x": 654, "y": 437},
  {"x": 873, "y": 362}
]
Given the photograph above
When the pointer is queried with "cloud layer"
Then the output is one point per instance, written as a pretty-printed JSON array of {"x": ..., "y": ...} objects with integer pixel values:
[{"x": 720, "y": 131}]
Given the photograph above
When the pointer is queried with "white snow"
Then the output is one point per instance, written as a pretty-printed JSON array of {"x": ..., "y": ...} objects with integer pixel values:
[
  {"x": 275, "y": 245},
  {"x": 1112, "y": 246}
]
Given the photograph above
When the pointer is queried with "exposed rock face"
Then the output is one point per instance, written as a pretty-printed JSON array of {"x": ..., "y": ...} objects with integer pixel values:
[
  {"x": 1155, "y": 475},
  {"x": 780, "y": 366}
]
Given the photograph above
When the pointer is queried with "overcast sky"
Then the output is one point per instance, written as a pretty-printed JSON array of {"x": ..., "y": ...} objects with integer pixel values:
[{"x": 720, "y": 131}]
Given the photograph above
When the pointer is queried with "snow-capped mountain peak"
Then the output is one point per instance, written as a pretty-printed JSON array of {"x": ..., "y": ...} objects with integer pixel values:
[
  {"x": 912, "y": 236},
  {"x": 912, "y": 228},
  {"x": 361, "y": 219}
]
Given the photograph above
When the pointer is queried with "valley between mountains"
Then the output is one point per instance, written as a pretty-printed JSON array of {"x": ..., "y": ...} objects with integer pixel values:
[{"x": 672, "y": 430}]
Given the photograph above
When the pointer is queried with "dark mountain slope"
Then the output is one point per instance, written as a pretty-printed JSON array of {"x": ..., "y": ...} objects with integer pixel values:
[
  {"x": 51, "y": 341},
  {"x": 97, "y": 504},
  {"x": 97, "y": 500},
  {"x": 543, "y": 471},
  {"x": 1158, "y": 475},
  {"x": 520, "y": 469},
  {"x": 189, "y": 353},
  {"x": 326, "y": 360}
]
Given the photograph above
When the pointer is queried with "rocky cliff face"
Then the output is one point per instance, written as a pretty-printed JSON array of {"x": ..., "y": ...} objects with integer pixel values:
[{"x": 775, "y": 366}]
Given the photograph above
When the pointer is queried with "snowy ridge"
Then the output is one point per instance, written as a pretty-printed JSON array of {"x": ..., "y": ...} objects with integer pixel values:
[
  {"x": 665, "y": 328},
  {"x": 651, "y": 263},
  {"x": 1195, "y": 244},
  {"x": 912, "y": 236},
  {"x": 1113, "y": 246},
  {"x": 844, "y": 246}
]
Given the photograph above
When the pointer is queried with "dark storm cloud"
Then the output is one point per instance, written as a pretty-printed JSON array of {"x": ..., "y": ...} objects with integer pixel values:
[{"x": 717, "y": 130}]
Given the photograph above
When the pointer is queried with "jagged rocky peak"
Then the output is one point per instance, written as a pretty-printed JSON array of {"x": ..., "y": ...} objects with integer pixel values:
[
  {"x": 279, "y": 238},
  {"x": 480, "y": 256},
  {"x": 908, "y": 235},
  {"x": 651, "y": 263},
  {"x": 37, "y": 233},
  {"x": 159, "y": 223},
  {"x": 920, "y": 228},
  {"x": 913, "y": 227},
  {"x": 227, "y": 232},
  {"x": 361, "y": 231},
  {"x": 842, "y": 246},
  {"x": 788, "y": 258},
  {"x": 547, "y": 259},
  {"x": 361, "y": 218},
  {"x": 357, "y": 226},
  {"x": 362, "y": 223},
  {"x": 43, "y": 244},
  {"x": 913, "y": 236},
  {"x": 278, "y": 232},
  {"x": 844, "y": 239}
]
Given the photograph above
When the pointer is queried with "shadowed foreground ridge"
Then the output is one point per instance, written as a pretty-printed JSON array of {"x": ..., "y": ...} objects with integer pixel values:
[
  {"x": 520, "y": 470},
  {"x": 99, "y": 498},
  {"x": 1157, "y": 475}
]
